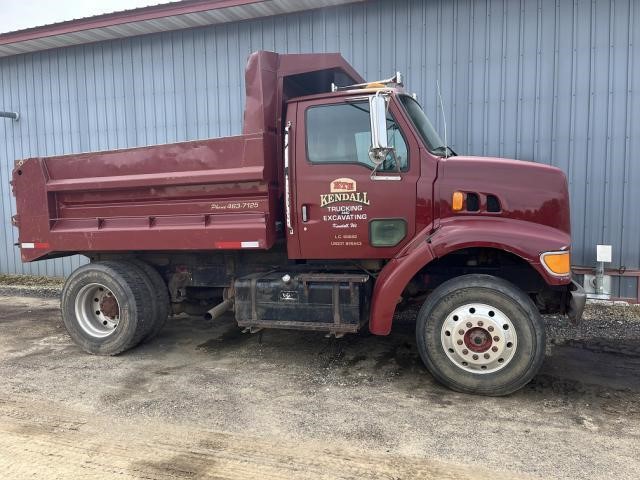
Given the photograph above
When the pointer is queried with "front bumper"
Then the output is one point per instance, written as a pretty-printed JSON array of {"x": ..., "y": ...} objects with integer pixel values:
[{"x": 576, "y": 300}]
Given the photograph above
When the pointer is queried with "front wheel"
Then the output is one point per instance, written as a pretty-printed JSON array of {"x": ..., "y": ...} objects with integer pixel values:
[{"x": 480, "y": 334}]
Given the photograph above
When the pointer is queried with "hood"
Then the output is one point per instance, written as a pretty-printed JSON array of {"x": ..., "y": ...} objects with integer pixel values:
[{"x": 524, "y": 190}]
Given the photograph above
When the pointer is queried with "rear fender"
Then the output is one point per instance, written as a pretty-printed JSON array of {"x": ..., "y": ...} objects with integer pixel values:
[{"x": 524, "y": 239}]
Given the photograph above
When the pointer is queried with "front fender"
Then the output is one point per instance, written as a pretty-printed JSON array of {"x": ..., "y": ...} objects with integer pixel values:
[
  {"x": 524, "y": 239},
  {"x": 393, "y": 278}
]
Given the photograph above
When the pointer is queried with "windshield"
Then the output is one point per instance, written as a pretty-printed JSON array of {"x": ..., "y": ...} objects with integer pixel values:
[{"x": 431, "y": 138}]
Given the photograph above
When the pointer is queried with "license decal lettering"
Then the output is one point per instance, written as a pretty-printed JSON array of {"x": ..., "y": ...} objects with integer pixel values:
[
  {"x": 345, "y": 208},
  {"x": 288, "y": 296}
]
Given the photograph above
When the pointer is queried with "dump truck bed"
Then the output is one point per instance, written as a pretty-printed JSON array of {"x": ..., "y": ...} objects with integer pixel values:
[{"x": 200, "y": 195}]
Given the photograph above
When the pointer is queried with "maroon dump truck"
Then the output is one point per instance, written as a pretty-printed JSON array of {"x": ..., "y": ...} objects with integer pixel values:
[{"x": 338, "y": 206}]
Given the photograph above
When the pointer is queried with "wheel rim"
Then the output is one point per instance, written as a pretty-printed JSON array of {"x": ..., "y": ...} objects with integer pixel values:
[
  {"x": 479, "y": 338},
  {"x": 97, "y": 310}
]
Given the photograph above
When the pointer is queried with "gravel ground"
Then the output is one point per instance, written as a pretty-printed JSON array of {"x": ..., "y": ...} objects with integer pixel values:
[
  {"x": 204, "y": 400},
  {"x": 30, "y": 286},
  {"x": 601, "y": 319}
]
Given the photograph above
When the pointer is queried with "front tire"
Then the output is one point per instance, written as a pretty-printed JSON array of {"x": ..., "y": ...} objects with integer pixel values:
[
  {"x": 105, "y": 307},
  {"x": 480, "y": 334}
]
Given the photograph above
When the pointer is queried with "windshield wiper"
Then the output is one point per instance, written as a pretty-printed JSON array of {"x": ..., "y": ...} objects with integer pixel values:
[{"x": 442, "y": 150}]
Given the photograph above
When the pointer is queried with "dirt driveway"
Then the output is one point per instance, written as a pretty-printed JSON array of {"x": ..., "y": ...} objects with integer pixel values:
[{"x": 204, "y": 400}]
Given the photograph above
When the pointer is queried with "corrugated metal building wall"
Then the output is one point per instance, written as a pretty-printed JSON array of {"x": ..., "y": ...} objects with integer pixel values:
[{"x": 554, "y": 81}]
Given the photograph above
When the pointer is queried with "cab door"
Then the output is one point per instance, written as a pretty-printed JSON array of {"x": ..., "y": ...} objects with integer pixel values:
[{"x": 342, "y": 207}]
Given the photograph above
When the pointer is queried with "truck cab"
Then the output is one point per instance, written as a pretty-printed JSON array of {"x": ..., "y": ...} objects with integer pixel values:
[
  {"x": 345, "y": 204},
  {"x": 348, "y": 203},
  {"x": 337, "y": 207}
]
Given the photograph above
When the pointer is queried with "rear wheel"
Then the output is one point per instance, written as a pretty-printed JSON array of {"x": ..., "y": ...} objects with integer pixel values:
[
  {"x": 105, "y": 307},
  {"x": 160, "y": 297},
  {"x": 481, "y": 334}
]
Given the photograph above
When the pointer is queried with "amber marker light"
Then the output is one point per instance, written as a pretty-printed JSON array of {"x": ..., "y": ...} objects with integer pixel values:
[
  {"x": 457, "y": 201},
  {"x": 557, "y": 263}
]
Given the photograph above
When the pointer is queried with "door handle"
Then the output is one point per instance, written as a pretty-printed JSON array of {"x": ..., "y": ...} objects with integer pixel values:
[{"x": 305, "y": 214}]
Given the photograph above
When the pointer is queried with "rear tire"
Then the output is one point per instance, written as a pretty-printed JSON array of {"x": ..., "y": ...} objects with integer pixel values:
[
  {"x": 105, "y": 307},
  {"x": 480, "y": 334},
  {"x": 160, "y": 298}
]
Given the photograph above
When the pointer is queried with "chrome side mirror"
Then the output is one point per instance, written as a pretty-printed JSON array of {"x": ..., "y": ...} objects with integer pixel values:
[{"x": 378, "y": 116}]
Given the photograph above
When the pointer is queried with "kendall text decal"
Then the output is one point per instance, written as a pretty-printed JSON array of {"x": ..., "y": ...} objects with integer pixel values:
[{"x": 343, "y": 190}]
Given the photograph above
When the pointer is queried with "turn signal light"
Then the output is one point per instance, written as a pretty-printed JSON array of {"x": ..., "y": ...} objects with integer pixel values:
[
  {"x": 457, "y": 201},
  {"x": 557, "y": 263}
]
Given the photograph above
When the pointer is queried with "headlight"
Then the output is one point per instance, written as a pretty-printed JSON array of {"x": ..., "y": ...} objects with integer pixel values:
[{"x": 557, "y": 263}]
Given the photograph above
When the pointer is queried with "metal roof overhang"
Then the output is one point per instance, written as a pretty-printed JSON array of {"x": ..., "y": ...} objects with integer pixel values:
[{"x": 154, "y": 19}]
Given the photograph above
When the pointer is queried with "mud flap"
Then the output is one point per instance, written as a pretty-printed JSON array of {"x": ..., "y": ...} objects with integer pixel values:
[{"x": 576, "y": 301}]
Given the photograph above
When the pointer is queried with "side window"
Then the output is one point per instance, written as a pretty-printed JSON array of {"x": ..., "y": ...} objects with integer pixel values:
[{"x": 341, "y": 133}]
